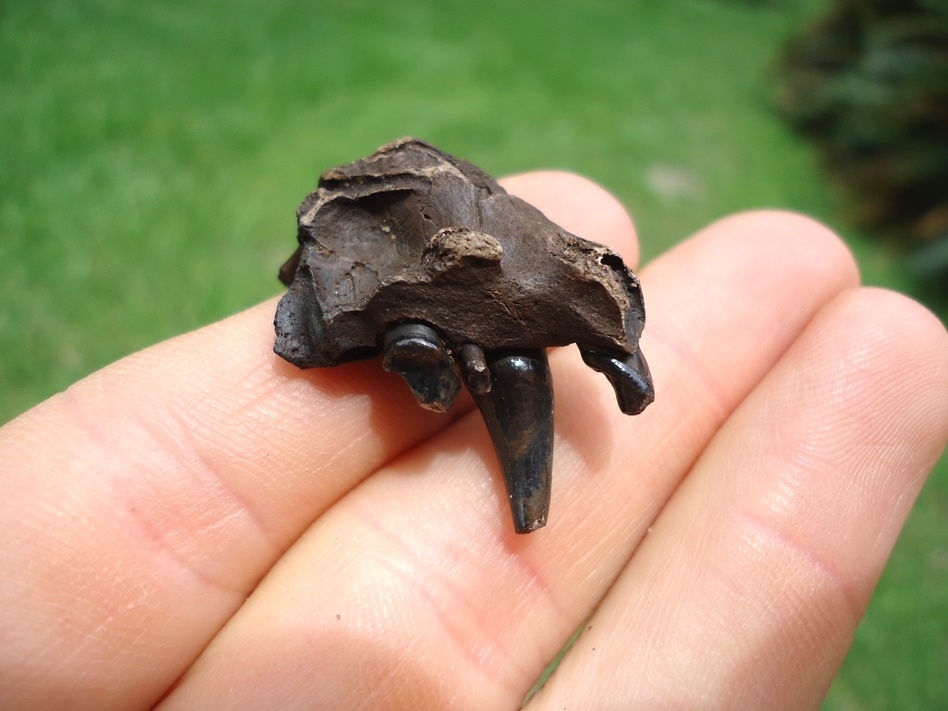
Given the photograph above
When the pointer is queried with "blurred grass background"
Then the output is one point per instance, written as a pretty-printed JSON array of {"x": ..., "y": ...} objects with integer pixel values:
[{"x": 152, "y": 156}]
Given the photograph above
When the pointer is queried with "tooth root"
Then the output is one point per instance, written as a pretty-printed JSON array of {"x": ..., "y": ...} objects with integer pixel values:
[
  {"x": 415, "y": 352},
  {"x": 518, "y": 411}
]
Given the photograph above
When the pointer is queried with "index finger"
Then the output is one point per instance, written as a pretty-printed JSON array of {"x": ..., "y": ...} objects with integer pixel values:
[{"x": 141, "y": 506}]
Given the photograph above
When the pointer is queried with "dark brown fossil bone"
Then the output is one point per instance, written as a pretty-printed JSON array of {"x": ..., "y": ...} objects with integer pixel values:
[{"x": 425, "y": 259}]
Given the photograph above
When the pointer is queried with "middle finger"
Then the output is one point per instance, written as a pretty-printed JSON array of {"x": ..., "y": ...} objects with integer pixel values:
[{"x": 414, "y": 589}]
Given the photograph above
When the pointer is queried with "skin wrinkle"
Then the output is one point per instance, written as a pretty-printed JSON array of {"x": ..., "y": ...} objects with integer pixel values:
[
  {"x": 796, "y": 548},
  {"x": 670, "y": 576},
  {"x": 362, "y": 645},
  {"x": 768, "y": 614},
  {"x": 449, "y": 596},
  {"x": 808, "y": 611},
  {"x": 83, "y": 422},
  {"x": 103, "y": 629},
  {"x": 176, "y": 453},
  {"x": 189, "y": 449},
  {"x": 93, "y": 609},
  {"x": 97, "y": 676},
  {"x": 60, "y": 665},
  {"x": 355, "y": 438}
]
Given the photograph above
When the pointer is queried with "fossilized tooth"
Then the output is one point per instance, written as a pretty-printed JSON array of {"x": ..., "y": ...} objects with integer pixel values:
[
  {"x": 425, "y": 259},
  {"x": 628, "y": 374},
  {"x": 474, "y": 366},
  {"x": 518, "y": 412},
  {"x": 415, "y": 351}
]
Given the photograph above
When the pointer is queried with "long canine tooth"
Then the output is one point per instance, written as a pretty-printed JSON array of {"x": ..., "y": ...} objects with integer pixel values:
[
  {"x": 518, "y": 411},
  {"x": 415, "y": 351}
]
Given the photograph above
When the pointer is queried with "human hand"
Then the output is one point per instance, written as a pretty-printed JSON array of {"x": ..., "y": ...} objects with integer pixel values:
[{"x": 202, "y": 525}]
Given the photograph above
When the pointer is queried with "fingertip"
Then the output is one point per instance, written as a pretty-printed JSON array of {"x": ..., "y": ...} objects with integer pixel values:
[
  {"x": 579, "y": 205},
  {"x": 794, "y": 233},
  {"x": 905, "y": 318},
  {"x": 909, "y": 344}
]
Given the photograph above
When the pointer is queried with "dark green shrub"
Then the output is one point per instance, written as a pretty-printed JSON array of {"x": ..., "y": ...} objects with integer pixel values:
[{"x": 868, "y": 82}]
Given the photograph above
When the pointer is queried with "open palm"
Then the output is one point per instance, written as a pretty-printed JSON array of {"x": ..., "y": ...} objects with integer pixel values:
[{"x": 202, "y": 525}]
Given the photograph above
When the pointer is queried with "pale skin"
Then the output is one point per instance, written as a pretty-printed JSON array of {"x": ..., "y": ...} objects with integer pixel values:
[{"x": 201, "y": 525}]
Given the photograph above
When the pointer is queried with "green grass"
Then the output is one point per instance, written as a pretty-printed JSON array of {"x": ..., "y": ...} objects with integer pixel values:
[{"x": 152, "y": 156}]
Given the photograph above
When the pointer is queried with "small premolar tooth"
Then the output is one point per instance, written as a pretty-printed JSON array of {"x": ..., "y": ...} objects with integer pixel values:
[
  {"x": 415, "y": 351},
  {"x": 474, "y": 366},
  {"x": 628, "y": 374}
]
